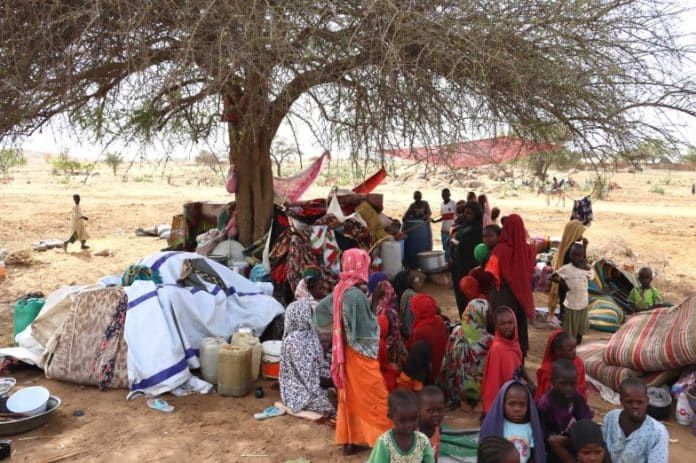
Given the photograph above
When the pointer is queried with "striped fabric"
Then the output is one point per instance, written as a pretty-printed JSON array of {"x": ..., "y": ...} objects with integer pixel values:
[
  {"x": 592, "y": 355},
  {"x": 604, "y": 314},
  {"x": 656, "y": 340}
]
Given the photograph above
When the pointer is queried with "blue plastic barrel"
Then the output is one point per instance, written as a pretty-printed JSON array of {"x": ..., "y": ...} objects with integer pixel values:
[{"x": 419, "y": 238}]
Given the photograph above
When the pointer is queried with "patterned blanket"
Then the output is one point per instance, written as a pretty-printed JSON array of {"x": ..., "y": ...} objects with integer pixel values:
[
  {"x": 656, "y": 340},
  {"x": 91, "y": 349},
  {"x": 593, "y": 355}
]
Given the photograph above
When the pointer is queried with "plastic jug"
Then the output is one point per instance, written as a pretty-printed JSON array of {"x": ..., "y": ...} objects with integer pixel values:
[
  {"x": 234, "y": 370},
  {"x": 390, "y": 251},
  {"x": 25, "y": 311},
  {"x": 242, "y": 338},
  {"x": 210, "y": 348},
  {"x": 684, "y": 413}
]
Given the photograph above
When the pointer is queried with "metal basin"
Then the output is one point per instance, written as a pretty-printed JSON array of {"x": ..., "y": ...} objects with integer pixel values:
[
  {"x": 28, "y": 423},
  {"x": 431, "y": 261}
]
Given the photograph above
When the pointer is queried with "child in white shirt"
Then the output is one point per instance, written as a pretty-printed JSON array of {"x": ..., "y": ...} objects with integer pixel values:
[{"x": 575, "y": 277}]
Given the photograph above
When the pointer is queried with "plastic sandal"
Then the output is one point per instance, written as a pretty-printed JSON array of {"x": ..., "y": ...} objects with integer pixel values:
[
  {"x": 160, "y": 405},
  {"x": 270, "y": 412}
]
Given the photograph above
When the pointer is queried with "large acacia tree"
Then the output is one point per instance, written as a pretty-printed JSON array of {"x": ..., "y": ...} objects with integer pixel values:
[{"x": 379, "y": 73}]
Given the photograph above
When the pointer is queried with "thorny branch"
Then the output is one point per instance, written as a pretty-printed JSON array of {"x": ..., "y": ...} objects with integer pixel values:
[{"x": 382, "y": 73}]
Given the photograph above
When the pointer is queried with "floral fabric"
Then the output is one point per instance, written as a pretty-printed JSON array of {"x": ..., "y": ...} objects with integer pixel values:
[
  {"x": 302, "y": 362},
  {"x": 461, "y": 374}
]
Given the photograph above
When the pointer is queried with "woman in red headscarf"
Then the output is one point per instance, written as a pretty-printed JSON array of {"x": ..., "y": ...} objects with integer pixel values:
[
  {"x": 429, "y": 327},
  {"x": 511, "y": 266},
  {"x": 355, "y": 366}
]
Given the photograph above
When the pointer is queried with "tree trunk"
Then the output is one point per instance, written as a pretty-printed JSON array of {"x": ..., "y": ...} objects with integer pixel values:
[{"x": 250, "y": 152}]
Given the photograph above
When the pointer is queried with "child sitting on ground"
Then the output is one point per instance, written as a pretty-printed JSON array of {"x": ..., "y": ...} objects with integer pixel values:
[
  {"x": 585, "y": 444},
  {"x": 631, "y": 435},
  {"x": 560, "y": 345},
  {"x": 402, "y": 443},
  {"x": 563, "y": 405},
  {"x": 417, "y": 368},
  {"x": 504, "y": 359},
  {"x": 646, "y": 297},
  {"x": 515, "y": 417},
  {"x": 431, "y": 402},
  {"x": 575, "y": 278},
  {"x": 497, "y": 449}
]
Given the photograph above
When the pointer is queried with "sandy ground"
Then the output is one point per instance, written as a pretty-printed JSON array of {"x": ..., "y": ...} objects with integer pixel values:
[{"x": 658, "y": 230}]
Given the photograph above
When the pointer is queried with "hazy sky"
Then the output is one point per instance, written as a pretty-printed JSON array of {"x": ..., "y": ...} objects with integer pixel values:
[{"x": 52, "y": 139}]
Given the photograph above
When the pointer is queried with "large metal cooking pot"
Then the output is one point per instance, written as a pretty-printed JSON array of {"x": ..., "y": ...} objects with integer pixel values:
[{"x": 431, "y": 261}]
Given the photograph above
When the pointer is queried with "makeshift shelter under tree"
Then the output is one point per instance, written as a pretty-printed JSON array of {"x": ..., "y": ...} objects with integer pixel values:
[{"x": 382, "y": 74}]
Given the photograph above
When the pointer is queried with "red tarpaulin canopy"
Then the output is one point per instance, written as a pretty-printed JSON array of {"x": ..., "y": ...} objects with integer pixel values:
[{"x": 473, "y": 153}]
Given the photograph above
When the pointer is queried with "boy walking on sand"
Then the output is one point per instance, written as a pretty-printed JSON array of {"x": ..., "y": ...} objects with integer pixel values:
[{"x": 78, "y": 226}]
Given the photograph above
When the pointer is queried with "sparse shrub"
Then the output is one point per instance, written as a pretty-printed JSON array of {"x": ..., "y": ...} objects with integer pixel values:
[
  {"x": 113, "y": 160},
  {"x": 657, "y": 189},
  {"x": 10, "y": 158},
  {"x": 64, "y": 164},
  {"x": 147, "y": 178}
]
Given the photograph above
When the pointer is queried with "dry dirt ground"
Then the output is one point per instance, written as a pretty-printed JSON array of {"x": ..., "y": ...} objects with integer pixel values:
[{"x": 634, "y": 226}]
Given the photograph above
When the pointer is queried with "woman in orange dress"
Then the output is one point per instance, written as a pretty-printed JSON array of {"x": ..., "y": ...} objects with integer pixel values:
[{"x": 362, "y": 393}]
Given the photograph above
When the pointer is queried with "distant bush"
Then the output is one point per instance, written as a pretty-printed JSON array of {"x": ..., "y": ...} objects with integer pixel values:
[
  {"x": 657, "y": 189},
  {"x": 211, "y": 161},
  {"x": 113, "y": 160},
  {"x": 9, "y": 159},
  {"x": 144, "y": 178},
  {"x": 66, "y": 165}
]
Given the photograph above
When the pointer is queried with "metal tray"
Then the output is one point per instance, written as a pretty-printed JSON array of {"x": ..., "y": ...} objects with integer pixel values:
[{"x": 29, "y": 423}]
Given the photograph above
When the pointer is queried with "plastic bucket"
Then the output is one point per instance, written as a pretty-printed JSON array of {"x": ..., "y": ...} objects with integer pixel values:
[
  {"x": 270, "y": 360},
  {"x": 25, "y": 311}
]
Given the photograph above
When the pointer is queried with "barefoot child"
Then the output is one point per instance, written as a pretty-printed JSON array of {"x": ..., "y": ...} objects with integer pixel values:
[
  {"x": 646, "y": 297},
  {"x": 515, "y": 417},
  {"x": 504, "y": 359},
  {"x": 563, "y": 405},
  {"x": 78, "y": 226},
  {"x": 560, "y": 345},
  {"x": 575, "y": 277},
  {"x": 431, "y": 402},
  {"x": 402, "y": 443}
]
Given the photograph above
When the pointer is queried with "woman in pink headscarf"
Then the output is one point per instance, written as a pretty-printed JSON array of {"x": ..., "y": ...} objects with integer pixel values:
[{"x": 362, "y": 392}]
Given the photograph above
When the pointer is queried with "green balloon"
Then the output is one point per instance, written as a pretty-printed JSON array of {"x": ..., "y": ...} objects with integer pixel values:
[{"x": 480, "y": 252}]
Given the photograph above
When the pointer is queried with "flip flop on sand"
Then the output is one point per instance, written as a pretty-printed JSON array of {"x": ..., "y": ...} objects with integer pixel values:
[
  {"x": 270, "y": 412},
  {"x": 160, "y": 405}
]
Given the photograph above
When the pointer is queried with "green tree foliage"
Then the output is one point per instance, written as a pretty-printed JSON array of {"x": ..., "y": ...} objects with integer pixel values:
[
  {"x": 364, "y": 75},
  {"x": 690, "y": 156},
  {"x": 9, "y": 159},
  {"x": 66, "y": 165},
  {"x": 113, "y": 160}
]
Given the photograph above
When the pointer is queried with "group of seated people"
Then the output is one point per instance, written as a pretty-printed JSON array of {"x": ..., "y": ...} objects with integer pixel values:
[{"x": 378, "y": 355}]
